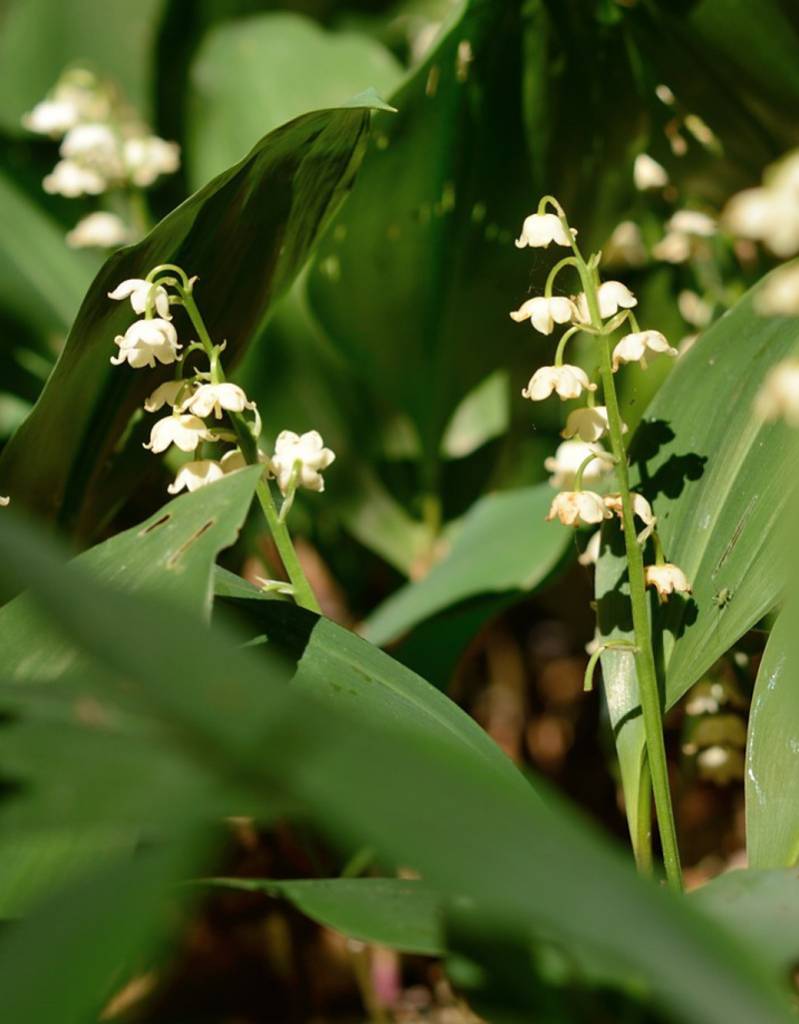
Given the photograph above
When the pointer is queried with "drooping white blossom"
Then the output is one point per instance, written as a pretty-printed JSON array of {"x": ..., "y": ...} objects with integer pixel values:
[
  {"x": 193, "y": 475},
  {"x": 543, "y": 313},
  {"x": 567, "y": 381},
  {"x": 184, "y": 431},
  {"x": 588, "y": 424},
  {"x": 213, "y": 398},
  {"x": 590, "y": 553},
  {"x": 305, "y": 452},
  {"x": 146, "y": 158},
  {"x": 577, "y": 508},
  {"x": 70, "y": 179},
  {"x": 694, "y": 309},
  {"x": 667, "y": 579},
  {"x": 167, "y": 393},
  {"x": 633, "y": 348},
  {"x": 77, "y": 96},
  {"x": 648, "y": 173},
  {"x": 139, "y": 292},
  {"x": 4, "y": 501},
  {"x": 612, "y": 296},
  {"x": 779, "y": 294},
  {"x": 778, "y": 397},
  {"x": 51, "y": 117},
  {"x": 100, "y": 230},
  {"x": 539, "y": 229},
  {"x": 769, "y": 213},
  {"x": 96, "y": 147},
  {"x": 674, "y": 247},
  {"x": 569, "y": 456},
  {"x": 145, "y": 342},
  {"x": 625, "y": 247},
  {"x": 692, "y": 222},
  {"x": 641, "y": 508}
]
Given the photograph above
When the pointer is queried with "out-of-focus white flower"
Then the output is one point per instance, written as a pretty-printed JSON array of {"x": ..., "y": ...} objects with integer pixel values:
[
  {"x": 612, "y": 296},
  {"x": 692, "y": 222},
  {"x": 693, "y": 308},
  {"x": 193, "y": 475},
  {"x": 148, "y": 157},
  {"x": 721, "y": 764},
  {"x": 667, "y": 579},
  {"x": 99, "y": 230},
  {"x": 72, "y": 180},
  {"x": 648, "y": 173},
  {"x": 674, "y": 247},
  {"x": 568, "y": 458},
  {"x": 213, "y": 398},
  {"x": 576, "y": 508},
  {"x": 165, "y": 394},
  {"x": 94, "y": 146},
  {"x": 568, "y": 381},
  {"x": 590, "y": 554},
  {"x": 664, "y": 94},
  {"x": 51, "y": 117},
  {"x": 769, "y": 214},
  {"x": 539, "y": 229},
  {"x": 686, "y": 344},
  {"x": 779, "y": 296},
  {"x": 641, "y": 508},
  {"x": 139, "y": 291},
  {"x": 778, "y": 397},
  {"x": 233, "y": 460},
  {"x": 146, "y": 341},
  {"x": 307, "y": 450},
  {"x": 4, "y": 501},
  {"x": 544, "y": 313},
  {"x": 184, "y": 431},
  {"x": 625, "y": 247},
  {"x": 633, "y": 348},
  {"x": 588, "y": 424}
]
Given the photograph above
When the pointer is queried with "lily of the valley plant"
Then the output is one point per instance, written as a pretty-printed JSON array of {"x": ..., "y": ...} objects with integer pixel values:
[
  {"x": 205, "y": 409},
  {"x": 604, "y": 310}
]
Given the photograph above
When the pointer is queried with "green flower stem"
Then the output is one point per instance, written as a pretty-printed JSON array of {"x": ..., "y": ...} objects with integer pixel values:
[
  {"x": 567, "y": 261},
  {"x": 644, "y": 658},
  {"x": 303, "y": 592},
  {"x": 562, "y": 344}
]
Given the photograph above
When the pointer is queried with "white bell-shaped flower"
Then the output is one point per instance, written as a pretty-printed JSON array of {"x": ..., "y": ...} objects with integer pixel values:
[
  {"x": 674, "y": 247},
  {"x": 590, "y": 553},
  {"x": 99, "y": 230},
  {"x": 779, "y": 293},
  {"x": 184, "y": 431},
  {"x": 139, "y": 291},
  {"x": 193, "y": 475},
  {"x": 578, "y": 508},
  {"x": 4, "y": 501},
  {"x": 641, "y": 508},
  {"x": 692, "y": 222},
  {"x": 307, "y": 453},
  {"x": 633, "y": 348},
  {"x": 52, "y": 117},
  {"x": 648, "y": 173},
  {"x": 588, "y": 424},
  {"x": 146, "y": 341},
  {"x": 567, "y": 380},
  {"x": 778, "y": 397},
  {"x": 95, "y": 146},
  {"x": 167, "y": 393},
  {"x": 612, "y": 296},
  {"x": 544, "y": 313},
  {"x": 213, "y": 398},
  {"x": 569, "y": 456},
  {"x": 667, "y": 579},
  {"x": 539, "y": 229},
  {"x": 70, "y": 179},
  {"x": 148, "y": 157}
]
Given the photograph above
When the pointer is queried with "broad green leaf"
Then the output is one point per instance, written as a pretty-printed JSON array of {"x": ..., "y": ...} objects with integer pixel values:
[
  {"x": 252, "y": 74},
  {"x": 39, "y": 38},
  {"x": 715, "y": 476},
  {"x": 171, "y": 554},
  {"x": 87, "y": 939},
  {"x": 502, "y": 544},
  {"x": 772, "y": 752},
  {"x": 482, "y": 415},
  {"x": 378, "y": 782},
  {"x": 42, "y": 280},
  {"x": 263, "y": 214},
  {"x": 394, "y": 912},
  {"x": 760, "y": 906}
]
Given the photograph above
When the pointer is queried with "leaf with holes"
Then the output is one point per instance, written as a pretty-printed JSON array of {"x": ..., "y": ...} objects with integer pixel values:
[
  {"x": 715, "y": 476},
  {"x": 264, "y": 215}
]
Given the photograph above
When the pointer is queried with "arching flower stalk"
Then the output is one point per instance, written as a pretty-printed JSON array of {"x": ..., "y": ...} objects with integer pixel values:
[
  {"x": 603, "y": 310},
  {"x": 205, "y": 408}
]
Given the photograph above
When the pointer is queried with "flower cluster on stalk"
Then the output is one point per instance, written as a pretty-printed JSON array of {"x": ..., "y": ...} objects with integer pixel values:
[
  {"x": 106, "y": 149},
  {"x": 204, "y": 407},
  {"x": 601, "y": 309}
]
